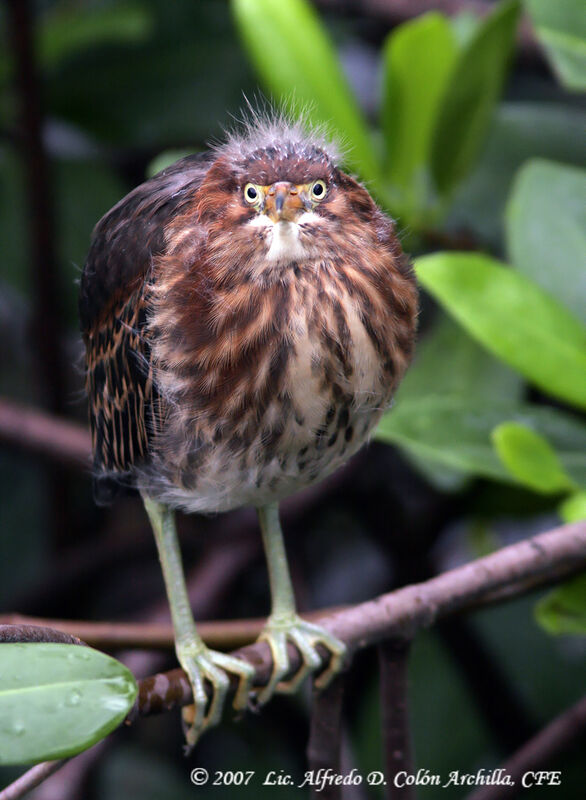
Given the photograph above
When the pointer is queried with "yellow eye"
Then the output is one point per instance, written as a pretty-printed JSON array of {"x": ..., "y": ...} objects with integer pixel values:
[
  {"x": 318, "y": 190},
  {"x": 251, "y": 194}
]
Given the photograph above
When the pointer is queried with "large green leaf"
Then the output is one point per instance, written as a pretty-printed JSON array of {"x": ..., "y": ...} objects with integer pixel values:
[
  {"x": 297, "y": 62},
  {"x": 452, "y": 432},
  {"x": 513, "y": 318},
  {"x": 475, "y": 86},
  {"x": 530, "y": 458},
  {"x": 58, "y": 699},
  {"x": 546, "y": 230},
  {"x": 449, "y": 362},
  {"x": 561, "y": 27},
  {"x": 418, "y": 60}
]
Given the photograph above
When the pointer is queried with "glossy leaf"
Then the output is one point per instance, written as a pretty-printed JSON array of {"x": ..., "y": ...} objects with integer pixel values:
[
  {"x": 296, "y": 61},
  {"x": 546, "y": 230},
  {"x": 564, "y": 609},
  {"x": 513, "y": 318},
  {"x": 474, "y": 89},
  {"x": 560, "y": 25},
  {"x": 418, "y": 60},
  {"x": 448, "y": 362},
  {"x": 453, "y": 432},
  {"x": 58, "y": 699},
  {"x": 530, "y": 459}
]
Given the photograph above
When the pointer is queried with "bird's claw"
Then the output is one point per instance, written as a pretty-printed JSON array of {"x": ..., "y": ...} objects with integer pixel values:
[
  {"x": 202, "y": 664},
  {"x": 306, "y": 636}
]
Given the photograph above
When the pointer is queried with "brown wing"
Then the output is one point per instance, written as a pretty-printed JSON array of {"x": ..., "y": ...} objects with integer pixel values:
[{"x": 113, "y": 308}]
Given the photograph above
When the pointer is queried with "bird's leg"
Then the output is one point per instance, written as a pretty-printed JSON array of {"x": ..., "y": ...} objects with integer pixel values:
[
  {"x": 199, "y": 662},
  {"x": 285, "y": 624}
]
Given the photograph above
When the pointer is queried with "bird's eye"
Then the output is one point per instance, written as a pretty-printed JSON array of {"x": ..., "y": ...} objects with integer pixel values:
[
  {"x": 318, "y": 190},
  {"x": 251, "y": 193}
]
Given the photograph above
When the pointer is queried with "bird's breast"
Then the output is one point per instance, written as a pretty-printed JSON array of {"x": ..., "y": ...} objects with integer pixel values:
[{"x": 296, "y": 411}]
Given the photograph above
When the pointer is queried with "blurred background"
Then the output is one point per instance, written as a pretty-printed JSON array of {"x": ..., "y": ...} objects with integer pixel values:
[{"x": 97, "y": 95}]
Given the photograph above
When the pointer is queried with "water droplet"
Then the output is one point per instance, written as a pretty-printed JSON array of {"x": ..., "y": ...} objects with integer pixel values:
[
  {"x": 73, "y": 699},
  {"x": 18, "y": 728}
]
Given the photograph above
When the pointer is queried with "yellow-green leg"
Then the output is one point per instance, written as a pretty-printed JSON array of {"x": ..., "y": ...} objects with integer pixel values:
[
  {"x": 284, "y": 622},
  {"x": 199, "y": 662}
]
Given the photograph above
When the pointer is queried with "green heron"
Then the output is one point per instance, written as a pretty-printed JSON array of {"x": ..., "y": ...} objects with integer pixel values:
[{"x": 247, "y": 315}]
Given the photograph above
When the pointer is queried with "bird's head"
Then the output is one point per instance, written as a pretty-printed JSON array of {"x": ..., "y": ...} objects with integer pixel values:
[{"x": 275, "y": 195}]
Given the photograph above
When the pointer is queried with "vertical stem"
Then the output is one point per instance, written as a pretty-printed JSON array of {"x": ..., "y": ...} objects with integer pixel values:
[
  {"x": 323, "y": 749},
  {"x": 44, "y": 273},
  {"x": 393, "y": 660},
  {"x": 283, "y": 599}
]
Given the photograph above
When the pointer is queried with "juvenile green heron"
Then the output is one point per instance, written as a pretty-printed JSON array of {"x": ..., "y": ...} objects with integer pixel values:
[{"x": 247, "y": 314}]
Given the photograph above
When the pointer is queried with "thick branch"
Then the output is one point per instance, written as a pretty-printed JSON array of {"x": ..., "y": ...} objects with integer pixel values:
[
  {"x": 401, "y": 613},
  {"x": 538, "y": 752}
]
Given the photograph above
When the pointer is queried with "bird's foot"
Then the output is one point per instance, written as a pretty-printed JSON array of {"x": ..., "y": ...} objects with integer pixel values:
[
  {"x": 202, "y": 664},
  {"x": 306, "y": 636}
]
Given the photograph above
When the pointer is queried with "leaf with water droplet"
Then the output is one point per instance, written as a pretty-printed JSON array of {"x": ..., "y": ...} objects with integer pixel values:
[{"x": 58, "y": 699}]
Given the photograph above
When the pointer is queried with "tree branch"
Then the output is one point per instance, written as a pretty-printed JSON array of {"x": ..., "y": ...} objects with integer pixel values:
[
  {"x": 393, "y": 662},
  {"x": 33, "y": 430},
  {"x": 31, "y": 779},
  {"x": 538, "y": 751},
  {"x": 400, "y": 614}
]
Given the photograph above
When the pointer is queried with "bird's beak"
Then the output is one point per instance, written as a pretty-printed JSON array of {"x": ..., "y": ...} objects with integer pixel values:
[{"x": 283, "y": 202}]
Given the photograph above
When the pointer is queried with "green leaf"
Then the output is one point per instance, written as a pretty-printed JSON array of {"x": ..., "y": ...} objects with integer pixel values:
[
  {"x": 453, "y": 432},
  {"x": 530, "y": 459},
  {"x": 58, "y": 699},
  {"x": 513, "y": 318},
  {"x": 474, "y": 89},
  {"x": 448, "y": 362},
  {"x": 561, "y": 28},
  {"x": 296, "y": 61},
  {"x": 546, "y": 230},
  {"x": 573, "y": 509},
  {"x": 418, "y": 60},
  {"x": 564, "y": 609}
]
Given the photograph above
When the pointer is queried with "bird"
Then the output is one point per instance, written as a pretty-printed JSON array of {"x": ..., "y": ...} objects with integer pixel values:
[{"x": 247, "y": 315}]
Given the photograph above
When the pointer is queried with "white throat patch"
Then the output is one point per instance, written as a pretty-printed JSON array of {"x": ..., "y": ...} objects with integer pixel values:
[{"x": 283, "y": 238}]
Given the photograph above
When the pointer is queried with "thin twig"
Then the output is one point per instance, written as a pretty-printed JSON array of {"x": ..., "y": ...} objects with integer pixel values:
[
  {"x": 33, "y": 430},
  {"x": 325, "y": 738},
  {"x": 552, "y": 740},
  {"x": 393, "y": 661},
  {"x": 32, "y": 778}
]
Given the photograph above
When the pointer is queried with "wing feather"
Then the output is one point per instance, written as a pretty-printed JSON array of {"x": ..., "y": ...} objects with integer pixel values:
[{"x": 124, "y": 406}]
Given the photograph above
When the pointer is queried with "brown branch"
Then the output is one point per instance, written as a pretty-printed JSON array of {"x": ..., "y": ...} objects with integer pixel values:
[
  {"x": 552, "y": 740},
  {"x": 325, "y": 737},
  {"x": 31, "y": 779},
  {"x": 33, "y": 430},
  {"x": 400, "y": 614},
  {"x": 393, "y": 661}
]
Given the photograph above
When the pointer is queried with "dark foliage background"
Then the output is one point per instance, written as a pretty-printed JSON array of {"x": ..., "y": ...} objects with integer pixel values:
[{"x": 121, "y": 83}]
